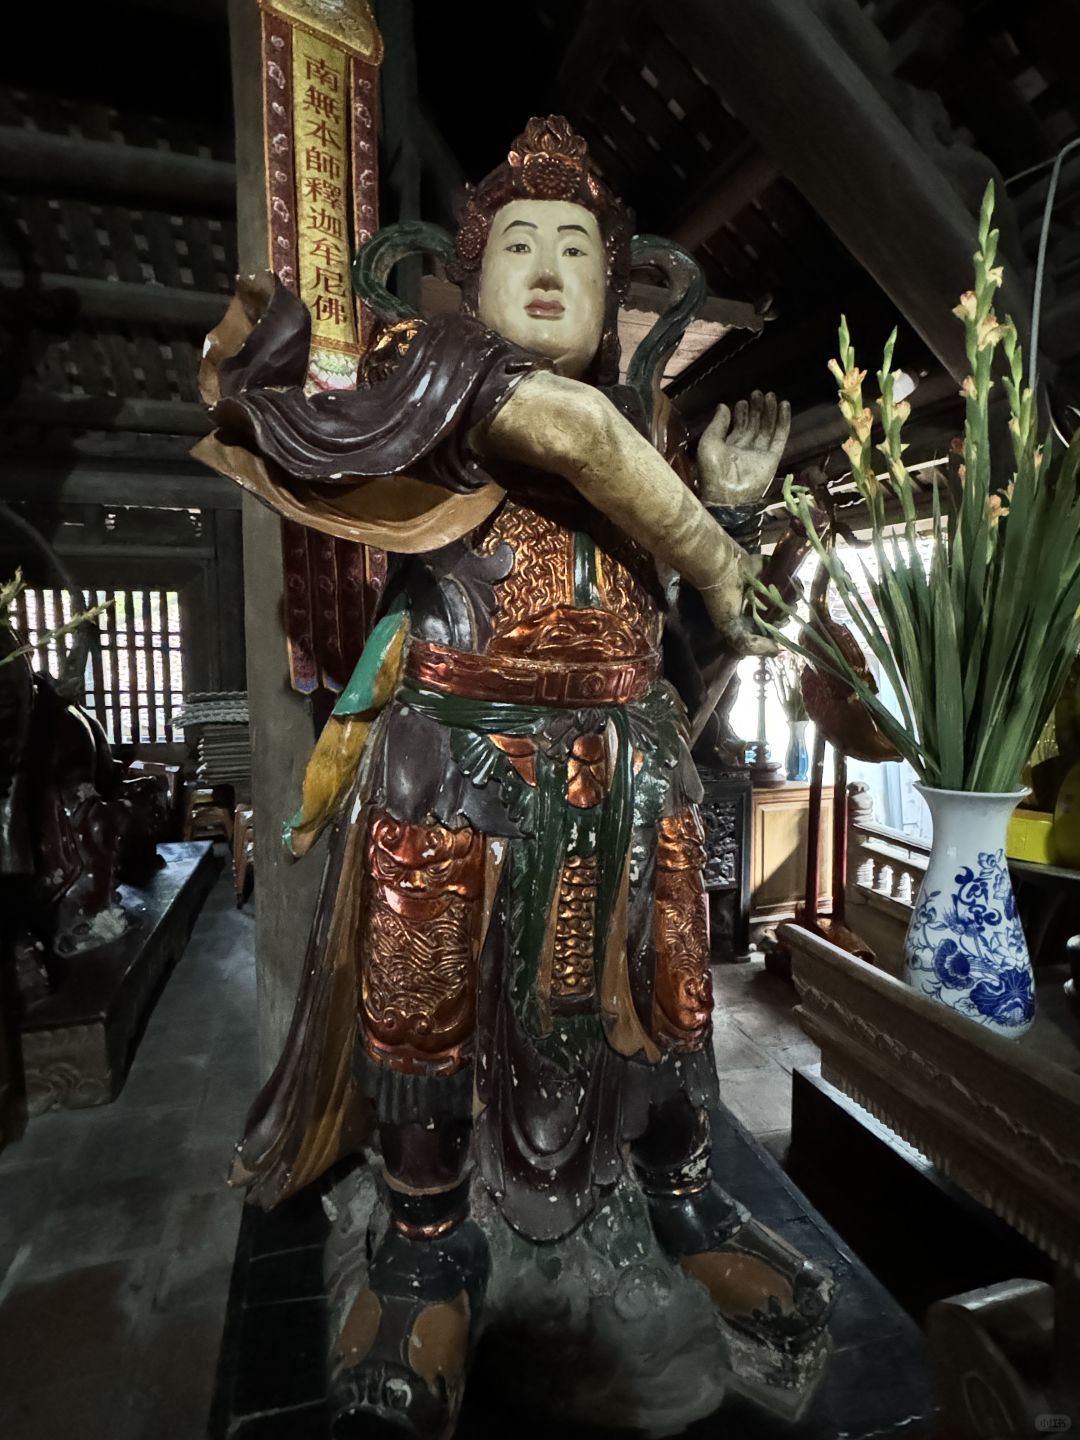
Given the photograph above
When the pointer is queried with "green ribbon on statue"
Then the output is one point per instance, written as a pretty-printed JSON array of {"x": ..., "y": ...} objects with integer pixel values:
[{"x": 552, "y": 829}]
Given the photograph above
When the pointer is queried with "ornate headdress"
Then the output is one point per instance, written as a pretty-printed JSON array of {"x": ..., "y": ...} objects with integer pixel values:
[{"x": 548, "y": 162}]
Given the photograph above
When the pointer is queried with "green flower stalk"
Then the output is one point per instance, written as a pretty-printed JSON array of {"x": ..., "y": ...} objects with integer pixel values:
[
  {"x": 784, "y": 670},
  {"x": 978, "y": 645}
]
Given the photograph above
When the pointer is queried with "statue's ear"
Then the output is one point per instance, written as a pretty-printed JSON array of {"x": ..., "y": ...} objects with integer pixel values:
[
  {"x": 378, "y": 256},
  {"x": 686, "y": 286}
]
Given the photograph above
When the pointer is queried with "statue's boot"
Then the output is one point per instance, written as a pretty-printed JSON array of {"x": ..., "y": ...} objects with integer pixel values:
[
  {"x": 773, "y": 1303},
  {"x": 401, "y": 1358}
]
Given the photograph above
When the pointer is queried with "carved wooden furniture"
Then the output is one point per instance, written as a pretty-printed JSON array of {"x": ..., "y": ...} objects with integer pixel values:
[
  {"x": 207, "y": 816},
  {"x": 243, "y": 851},
  {"x": 174, "y": 790},
  {"x": 78, "y": 1041},
  {"x": 780, "y": 830},
  {"x": 1001, "y": 1121},
  {"x": 725, "y": 814}
]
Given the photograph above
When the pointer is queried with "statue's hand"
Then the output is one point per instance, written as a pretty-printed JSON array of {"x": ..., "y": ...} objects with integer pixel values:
[
  {"x": 724, "y": 603},
  {"x": 737, "y": 461}
]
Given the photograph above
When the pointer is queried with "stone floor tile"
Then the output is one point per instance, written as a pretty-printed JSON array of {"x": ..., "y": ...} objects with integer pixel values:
[
  {"x": 119, "y": 1142},
  {"x": 770, "y": 1029},
  {"x": 174, "y": 1374},
  {"x": 69, "y": 1327},
  {"x": 734, "y": 1049},
  {"x": 48, "y": 1139},
  {"x": 111, "y": 1219},
  {"x": 165, "y": 1080},
  {"x": 193, "y": 1038},
  {"x": 798, "y": 1055},
  {"x": 26, "y": 1193},
  {"x": 90, "y": 1409},
  {"x": 761, "y": 1098},
  {"x": 200, "y": 1250}
]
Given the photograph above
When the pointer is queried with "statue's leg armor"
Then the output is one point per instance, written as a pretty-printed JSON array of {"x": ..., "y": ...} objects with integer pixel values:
[
  {"x": 758, "y": 1282},
  {"x": 760, "y": 1285},
  {"x": 403, "y": 1350}
]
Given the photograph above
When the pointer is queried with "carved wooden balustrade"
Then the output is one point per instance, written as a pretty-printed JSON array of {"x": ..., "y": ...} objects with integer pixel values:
[{"x": 885, "y": 870}]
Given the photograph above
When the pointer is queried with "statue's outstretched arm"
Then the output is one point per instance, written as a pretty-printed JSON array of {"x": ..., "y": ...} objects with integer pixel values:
[{"x": 565, "y": 426}]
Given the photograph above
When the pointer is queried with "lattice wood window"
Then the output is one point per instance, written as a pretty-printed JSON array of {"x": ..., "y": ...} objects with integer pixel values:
[{"x": 135, "y": 680}]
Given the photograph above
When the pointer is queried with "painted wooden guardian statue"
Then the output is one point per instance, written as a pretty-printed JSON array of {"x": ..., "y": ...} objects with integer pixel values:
[{"x": 510, "y": 960}]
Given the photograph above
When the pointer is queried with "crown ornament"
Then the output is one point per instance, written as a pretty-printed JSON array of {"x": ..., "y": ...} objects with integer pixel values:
[{"x": 547, "y": 161}]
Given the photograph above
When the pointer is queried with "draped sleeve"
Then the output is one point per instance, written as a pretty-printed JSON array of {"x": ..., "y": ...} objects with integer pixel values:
[{"x": 388, "y": 464}]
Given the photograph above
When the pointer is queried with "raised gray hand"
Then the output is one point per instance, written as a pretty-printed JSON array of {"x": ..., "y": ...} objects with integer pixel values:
[{"x": 737, "y": 461}]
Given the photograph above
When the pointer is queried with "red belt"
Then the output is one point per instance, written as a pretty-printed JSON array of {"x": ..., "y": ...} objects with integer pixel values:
[{"x": 531, "y": 682}]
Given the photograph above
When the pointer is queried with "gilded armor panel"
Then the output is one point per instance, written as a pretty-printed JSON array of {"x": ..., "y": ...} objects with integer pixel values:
[
  {"x": 424, "y": 897},
  {"x": 682, "y": 1002}
]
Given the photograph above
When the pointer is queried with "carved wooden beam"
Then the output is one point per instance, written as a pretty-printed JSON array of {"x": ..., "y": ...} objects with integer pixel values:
[
  {"x": 191, "y": 487},
  {"x": 62, "y": 165},
  {"x": 106, "y": 412},
  {"x": 170, "y": 307},
  {"x": 727, "y": 192},
  {"x": 588, "y": 56},
  {"x": 825, "y": 125}
]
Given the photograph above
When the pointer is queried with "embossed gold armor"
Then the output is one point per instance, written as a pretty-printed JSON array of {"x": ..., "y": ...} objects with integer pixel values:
[
  {"x": 682, "y": 1003},
  {"x": 537, "y": 615},
  {"x": 573, "y": 973},
  {"x": 418, "y": 946},
  {"x": 587, "y": 772}
]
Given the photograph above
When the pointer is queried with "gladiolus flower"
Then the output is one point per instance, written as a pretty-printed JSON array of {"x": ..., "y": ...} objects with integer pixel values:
[
  {"x": 967, "y": 389},
  {"x": 995, "y": 508},
  {"x": 852, "y": 449},
  {"x": 990, "y": 332},
  {"x": 863, "y": 423},
  {"x": 966, "y": 310}
]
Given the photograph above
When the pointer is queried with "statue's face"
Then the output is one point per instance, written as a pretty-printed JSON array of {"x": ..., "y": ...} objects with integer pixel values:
[{"x": 544, "y": 280}]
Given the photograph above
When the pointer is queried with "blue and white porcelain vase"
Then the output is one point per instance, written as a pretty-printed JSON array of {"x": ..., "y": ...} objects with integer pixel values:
[
  {"x": 797, "y": 759},
  {"x": 965, "y": 945}
]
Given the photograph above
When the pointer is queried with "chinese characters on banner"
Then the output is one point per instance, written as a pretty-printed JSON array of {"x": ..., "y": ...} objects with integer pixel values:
[{"x": 320, "y": 128}]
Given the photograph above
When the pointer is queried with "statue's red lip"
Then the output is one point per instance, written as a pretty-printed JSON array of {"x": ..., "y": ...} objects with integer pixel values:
[{"x": 545, "y": 309}]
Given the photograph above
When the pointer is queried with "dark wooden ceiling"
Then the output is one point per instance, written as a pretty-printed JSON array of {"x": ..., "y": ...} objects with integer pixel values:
[{"x": 117, "y": 231}]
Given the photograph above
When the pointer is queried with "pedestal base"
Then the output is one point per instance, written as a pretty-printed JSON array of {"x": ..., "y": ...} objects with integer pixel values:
[{"x": 272, "y": 1385}]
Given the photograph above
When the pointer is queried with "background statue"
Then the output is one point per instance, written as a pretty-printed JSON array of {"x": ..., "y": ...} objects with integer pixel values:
[
  {"x": 510, "y": 960},
  {"x": 72, "y": 828}
]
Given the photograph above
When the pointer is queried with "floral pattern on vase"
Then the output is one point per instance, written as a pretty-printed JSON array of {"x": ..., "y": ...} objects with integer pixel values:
[{"x": 965, "y": 945}]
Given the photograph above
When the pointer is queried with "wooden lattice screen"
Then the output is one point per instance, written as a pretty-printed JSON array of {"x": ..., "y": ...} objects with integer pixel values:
[{"x": 135, "y": 679}]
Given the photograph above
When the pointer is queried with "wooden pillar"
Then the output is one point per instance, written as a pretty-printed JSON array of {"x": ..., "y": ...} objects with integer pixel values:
[{"x": 281, "y": 728}]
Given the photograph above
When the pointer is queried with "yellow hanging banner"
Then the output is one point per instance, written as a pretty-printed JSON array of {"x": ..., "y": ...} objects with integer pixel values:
[{"x": 321, "y": 150}]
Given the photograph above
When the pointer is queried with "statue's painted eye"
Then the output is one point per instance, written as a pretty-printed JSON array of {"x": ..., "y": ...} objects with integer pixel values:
[
  {"x": 520, "y": 248},
  {"x": 573, "y": 250}
]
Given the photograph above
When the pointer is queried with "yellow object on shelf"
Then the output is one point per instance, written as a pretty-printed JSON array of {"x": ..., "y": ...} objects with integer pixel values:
[{"x": 1031, "y": 837}]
